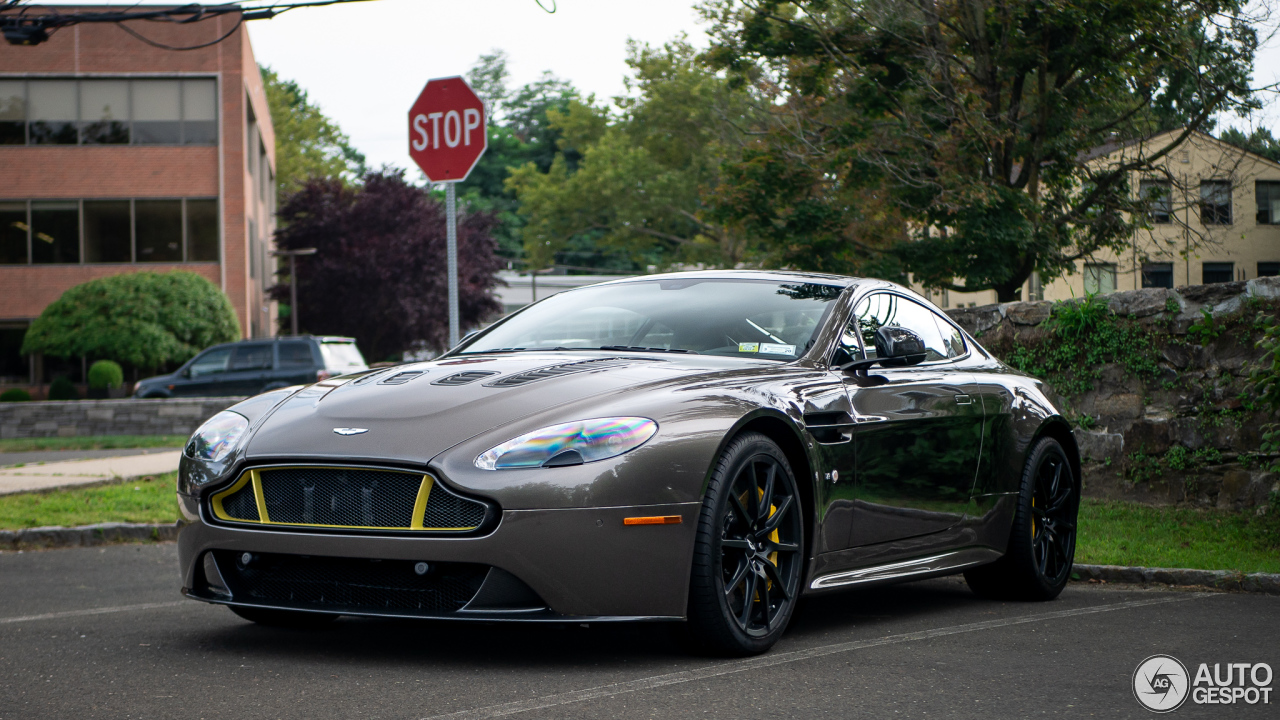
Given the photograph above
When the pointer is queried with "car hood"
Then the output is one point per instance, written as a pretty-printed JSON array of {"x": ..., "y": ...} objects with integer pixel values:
[{"x": 411, "y": 413}]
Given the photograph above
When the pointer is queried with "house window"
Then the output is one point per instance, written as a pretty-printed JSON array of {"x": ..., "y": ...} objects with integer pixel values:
[
  {"x": 1035, "y": 289},
  {"x": 202, "y": 230},
  {"x": 1268, "y": 269},
  {"x": 1268, "y": 195},
  {"x": 109, "y": 112},
  {"x": 1215, "y": 202},
  {"x": 108, "y": 231},
  {"x": 1218, "y": 272},
  {"x": 159, "y": 230},
  {"x": 1157, "y": 275},
  {"x": 1157, "y": 195},
  {"x": 1099, "y": 278}
]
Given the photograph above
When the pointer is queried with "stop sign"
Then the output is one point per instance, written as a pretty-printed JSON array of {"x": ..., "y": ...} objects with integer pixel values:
[{"x": 447, "y": 130}]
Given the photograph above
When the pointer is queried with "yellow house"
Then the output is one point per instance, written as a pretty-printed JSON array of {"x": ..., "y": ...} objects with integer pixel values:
[{"x": 1214, "y": 217}]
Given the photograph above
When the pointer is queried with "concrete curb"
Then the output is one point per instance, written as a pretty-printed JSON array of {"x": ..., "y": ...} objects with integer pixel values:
[
  {"x": 1266, "y": 583},
  {"x": 42, "y": 538}
]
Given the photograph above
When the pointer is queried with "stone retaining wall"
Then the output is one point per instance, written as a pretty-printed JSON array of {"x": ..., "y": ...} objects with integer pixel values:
[
  {"x": 108, "y": 417},
  {"x": 1193, "y": 406}
]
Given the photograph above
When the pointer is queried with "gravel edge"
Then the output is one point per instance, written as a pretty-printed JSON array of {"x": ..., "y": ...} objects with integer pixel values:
[
  {"x": 43, "y": 538},
  {"x": 111, "y": 533},
  {"x": 1266, "y": 583}
]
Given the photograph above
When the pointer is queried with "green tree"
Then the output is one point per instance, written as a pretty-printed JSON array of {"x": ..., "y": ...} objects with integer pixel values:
[
  {"x": 145, "y": 319},
  {"x": 630, "y": 178},
  {"x": 308, "y": 144},
  {"x": 976, "y": 122},
  {"x": 1260, "y": 141}
]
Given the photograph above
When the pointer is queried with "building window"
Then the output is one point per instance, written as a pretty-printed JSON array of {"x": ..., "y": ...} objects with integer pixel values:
[
  {"x": 108, "y": 231},
  {"x": 13, "y": 112},
  {"x": 55, "y": 232},
  {"x": 1157, "y": 275},
  {"x": 1268, "y": 269},
  {"x": 112, "y": 231},
  {"x": 1157, "y": 195},
  {"x": 13, "y": 233},
  {"x": 1035, "y": 289},
  {"x": 1218, "y": 272},
  {"x": 51, "y": 112},
  {"x": 104, "y": 112},
  {"x": 109, "y": 112},
  {"x": 1099, "y": 278},
  {"x": 1268, "y": 195},
  {"x": 1215, "y": 202}
]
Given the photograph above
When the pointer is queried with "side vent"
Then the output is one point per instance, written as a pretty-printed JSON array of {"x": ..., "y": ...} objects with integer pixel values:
[
  {"x": 463, "y": 378},
  {"x": 401, "y": 378},
  {"x": 551, "y": 371}
]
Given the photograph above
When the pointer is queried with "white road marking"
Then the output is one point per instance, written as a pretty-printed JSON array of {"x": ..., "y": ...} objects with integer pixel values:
[
  {"x": 737, "y": 666},
  {"x": 94, "y": 611}
]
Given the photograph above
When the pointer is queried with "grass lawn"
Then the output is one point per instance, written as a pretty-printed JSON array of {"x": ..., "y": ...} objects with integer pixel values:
[
  {"x": 141, "y": 500},
  {"x": 1111, "y": 533},
  {"x": 103, "y": 442},
  {"x": 1121, "y": 533}
]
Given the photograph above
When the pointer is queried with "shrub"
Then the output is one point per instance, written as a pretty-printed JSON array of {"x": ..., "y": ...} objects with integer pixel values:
[
  {"x": 15, "y": 395},
  {"x": 63, "y": 389},
  {"x": 146, "y": 319},
  {"x": 105, "y": 374}
]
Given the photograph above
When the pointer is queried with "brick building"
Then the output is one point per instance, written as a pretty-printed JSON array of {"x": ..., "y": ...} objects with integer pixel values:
[{"x": 118, "y": 156}]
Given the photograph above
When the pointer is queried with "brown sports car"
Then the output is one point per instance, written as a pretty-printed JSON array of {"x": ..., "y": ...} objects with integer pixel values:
[{"x": 697, "y": 447}]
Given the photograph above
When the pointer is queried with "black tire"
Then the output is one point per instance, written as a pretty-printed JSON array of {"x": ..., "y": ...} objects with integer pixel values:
[
  {"x": 1042, "y": 542},
  {"x": 748, "y": 556},
  {"x": 283, "y": 618}
]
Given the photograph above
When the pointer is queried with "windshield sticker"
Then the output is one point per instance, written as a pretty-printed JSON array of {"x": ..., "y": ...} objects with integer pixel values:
[
  {"x": 777, "y": 349},
  {"x": 748, "y": 347}
]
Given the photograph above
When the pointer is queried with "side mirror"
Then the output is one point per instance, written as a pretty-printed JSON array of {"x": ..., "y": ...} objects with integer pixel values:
[{"x": 897, "y": 346}]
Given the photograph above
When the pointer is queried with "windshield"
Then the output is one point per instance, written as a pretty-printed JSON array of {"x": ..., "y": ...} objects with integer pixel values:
[
  {"x": 342, "y": 356},
  {"x": 740, "y": 318}
]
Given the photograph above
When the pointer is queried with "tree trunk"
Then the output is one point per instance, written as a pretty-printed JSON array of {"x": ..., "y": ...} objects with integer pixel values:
[{"x": 1009, "y": 293}]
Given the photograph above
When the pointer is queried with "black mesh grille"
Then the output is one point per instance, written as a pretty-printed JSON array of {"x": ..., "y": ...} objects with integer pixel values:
[
  {"x": 555, "y": 370},
  {"x": 337, "y": 584},
  {"x": 241, "y": 504},
  {"x": 445, "y": 510},
  {"x": 463, "y": 378},
  {"x": 349, "y": 497}
]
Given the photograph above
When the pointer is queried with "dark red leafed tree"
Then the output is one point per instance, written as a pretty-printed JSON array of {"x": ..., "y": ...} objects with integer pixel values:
[{"x": 379, "y": 271}]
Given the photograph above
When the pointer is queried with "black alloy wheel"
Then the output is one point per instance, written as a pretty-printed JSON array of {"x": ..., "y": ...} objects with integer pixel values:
[
  {"x": 749, "y": 553},
  {"x": 1042, "y": 543}
]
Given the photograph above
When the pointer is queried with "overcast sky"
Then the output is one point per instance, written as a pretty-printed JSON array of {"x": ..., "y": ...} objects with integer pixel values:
[{"x": 364, "y": 63}]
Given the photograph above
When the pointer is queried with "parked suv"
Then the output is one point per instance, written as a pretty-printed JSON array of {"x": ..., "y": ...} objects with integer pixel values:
[{"x": 249, "y": 367}]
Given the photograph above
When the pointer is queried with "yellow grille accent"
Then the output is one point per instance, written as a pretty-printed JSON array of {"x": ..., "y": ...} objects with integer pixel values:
[{"x": 254, "y": 477}]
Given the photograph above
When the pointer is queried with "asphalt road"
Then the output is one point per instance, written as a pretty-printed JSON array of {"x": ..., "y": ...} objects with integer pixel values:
[{"x": 101, "y": 632}]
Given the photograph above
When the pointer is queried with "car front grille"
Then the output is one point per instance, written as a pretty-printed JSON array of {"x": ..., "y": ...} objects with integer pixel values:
[
  {"x": 349, "y": 584},
  {"x": 346, "y": 497}
]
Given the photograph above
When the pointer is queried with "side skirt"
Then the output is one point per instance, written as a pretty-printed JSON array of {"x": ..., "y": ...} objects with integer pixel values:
[{"x": 945, "y": 563}]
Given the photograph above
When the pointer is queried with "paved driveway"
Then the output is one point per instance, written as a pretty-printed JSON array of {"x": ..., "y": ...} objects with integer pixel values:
[{"x": 100, "y": 632}]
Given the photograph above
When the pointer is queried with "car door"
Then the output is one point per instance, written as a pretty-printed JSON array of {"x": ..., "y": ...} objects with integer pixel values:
[
  {"x": 204, "y": 373},
  {"x": 295, "y": 363},
  {"x": 250, "y": 369},
  {"x": 918, "y": 430}
]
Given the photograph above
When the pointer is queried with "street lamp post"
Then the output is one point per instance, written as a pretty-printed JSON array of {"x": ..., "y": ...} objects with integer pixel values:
[{"x": 293, "y": 281}]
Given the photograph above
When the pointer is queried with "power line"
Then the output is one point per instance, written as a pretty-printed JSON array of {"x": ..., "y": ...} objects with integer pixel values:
[{"x": 25, "y": 27}]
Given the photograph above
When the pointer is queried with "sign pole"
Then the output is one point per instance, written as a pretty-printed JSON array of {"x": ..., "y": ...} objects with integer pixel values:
[{"x": 451, "y": 213}]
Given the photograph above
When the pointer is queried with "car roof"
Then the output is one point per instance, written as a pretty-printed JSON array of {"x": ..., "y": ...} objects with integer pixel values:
[{"x": 779, "y": 275}]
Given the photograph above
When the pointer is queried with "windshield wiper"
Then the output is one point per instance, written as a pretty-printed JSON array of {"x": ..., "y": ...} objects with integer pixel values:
[{"x": 637, "y": 348}]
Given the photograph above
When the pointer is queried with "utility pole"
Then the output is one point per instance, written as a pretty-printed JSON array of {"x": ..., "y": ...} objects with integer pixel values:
[{"x": 293, "y": 281}]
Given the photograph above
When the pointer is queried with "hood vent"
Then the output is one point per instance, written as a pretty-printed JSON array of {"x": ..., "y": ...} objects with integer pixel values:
[
  {"x": 551, "y": 371},
  {"x": 401, "y": 378},
  {"x": 463, "y": 378}
]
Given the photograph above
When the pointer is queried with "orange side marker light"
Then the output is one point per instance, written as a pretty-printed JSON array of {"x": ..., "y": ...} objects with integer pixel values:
[{"x": 653, "y": 520}]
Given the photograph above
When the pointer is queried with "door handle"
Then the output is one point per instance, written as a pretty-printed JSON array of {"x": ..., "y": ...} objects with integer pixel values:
[{"x": 964, "y": 400}]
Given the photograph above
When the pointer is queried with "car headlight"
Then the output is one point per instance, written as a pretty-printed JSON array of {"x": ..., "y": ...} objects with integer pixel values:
[
  {"x": 217, "y": 438},
  {"x": 571, "y": 443}
]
